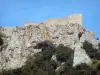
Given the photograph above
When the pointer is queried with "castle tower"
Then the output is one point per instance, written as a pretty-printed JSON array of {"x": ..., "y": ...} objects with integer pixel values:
[{"x": 75, "y": 18}]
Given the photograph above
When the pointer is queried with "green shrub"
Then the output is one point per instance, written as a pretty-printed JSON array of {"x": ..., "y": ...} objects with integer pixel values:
[
  {"x": 98, "y": 67},
  {"x": 41, "y": 63},
  {"x": 54, "y": 64},
  {"x": 43, "y": 60},
  {"x": 87, "y": 46},
  {"x": 83, "y": 66},
  {"x": 92, "y": 52},
  {"x": 99, "y": 46},
  {"x": 1, "y": 41},
  {"x": 48, "y": 49},
  {"x": 44, "y": 45},
  {"x": 83, "y": 69},
  {"x": 68, "y": 65},
  {"x": 63, "y": 53},
  {"x": 83, "y": 72}
]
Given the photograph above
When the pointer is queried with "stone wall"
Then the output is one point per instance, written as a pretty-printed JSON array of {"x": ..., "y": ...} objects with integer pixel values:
[
  {"x": 28, "y": 24},
  {"x": 74, "y": 18}
]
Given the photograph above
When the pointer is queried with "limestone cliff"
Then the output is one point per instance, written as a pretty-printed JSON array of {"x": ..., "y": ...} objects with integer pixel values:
[{"x": 20, "y": 41}]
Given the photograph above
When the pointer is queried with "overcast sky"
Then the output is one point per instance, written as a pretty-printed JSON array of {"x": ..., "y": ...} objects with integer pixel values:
[{"x": 13, "y": 12}]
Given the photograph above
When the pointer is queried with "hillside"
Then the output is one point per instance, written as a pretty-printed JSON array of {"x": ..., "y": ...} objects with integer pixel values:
[{"x": 51, "y": 45}]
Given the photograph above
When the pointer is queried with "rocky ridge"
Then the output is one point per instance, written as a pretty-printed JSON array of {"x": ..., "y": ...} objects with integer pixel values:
[{"x": 21, "y": 41}]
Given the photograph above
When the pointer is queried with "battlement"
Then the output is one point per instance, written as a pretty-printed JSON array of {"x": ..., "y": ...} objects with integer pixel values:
[{"x": 73, "y": 18}]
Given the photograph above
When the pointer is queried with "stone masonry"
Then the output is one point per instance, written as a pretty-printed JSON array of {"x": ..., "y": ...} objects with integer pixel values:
[{"x": 74, "y": 18}]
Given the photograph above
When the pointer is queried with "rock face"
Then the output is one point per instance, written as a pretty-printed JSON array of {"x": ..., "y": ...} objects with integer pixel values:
[{"x": 19, "y": 44}]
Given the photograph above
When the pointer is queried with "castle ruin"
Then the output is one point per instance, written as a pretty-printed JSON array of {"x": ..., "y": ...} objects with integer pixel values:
[{"x": 74, "y": 18}]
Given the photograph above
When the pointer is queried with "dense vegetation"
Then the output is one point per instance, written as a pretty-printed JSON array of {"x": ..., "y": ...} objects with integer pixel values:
[
  {"x": 43, "y": 64},
  {"x": 91, "y": 51}
]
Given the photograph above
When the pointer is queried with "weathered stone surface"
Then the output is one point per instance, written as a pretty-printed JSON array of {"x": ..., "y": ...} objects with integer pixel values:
[{"x": 80, "y": 56}]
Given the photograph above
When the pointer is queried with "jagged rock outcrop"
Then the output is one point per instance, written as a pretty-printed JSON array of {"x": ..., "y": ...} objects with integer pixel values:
[{"x": 21, "y": 42}]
